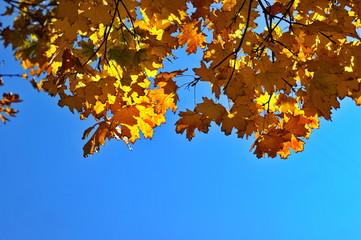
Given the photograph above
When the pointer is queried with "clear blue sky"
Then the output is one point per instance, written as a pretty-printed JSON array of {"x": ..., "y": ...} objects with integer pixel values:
[{"x": 169, "y": 188}]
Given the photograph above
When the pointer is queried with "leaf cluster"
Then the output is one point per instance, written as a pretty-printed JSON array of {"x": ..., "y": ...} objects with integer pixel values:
[{"x": 281, "y": 66}]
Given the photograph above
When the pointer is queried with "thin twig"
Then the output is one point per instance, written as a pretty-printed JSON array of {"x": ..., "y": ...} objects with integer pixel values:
[
  {"x": 130, "y": 17},
  {"x": 242, "y": 39},
  {"x": 289, "y": 84},
  {"x": 239, "y": 10},
  {"x": 235, "y": 52},
  {"x": 106, "y": 35},
  {"x": 10, "y": 75}
]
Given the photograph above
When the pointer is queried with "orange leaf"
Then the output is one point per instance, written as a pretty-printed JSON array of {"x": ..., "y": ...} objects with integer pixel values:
[
  {"x": 190, "y": 121},
  {"x": 126, "y": 115},
  {"x": 191, "y": 35},
  {"x": 215, "y": 112}
]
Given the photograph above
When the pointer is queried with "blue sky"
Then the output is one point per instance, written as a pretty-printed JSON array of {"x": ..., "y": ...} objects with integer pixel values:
[{"x": 169, "y": 188}]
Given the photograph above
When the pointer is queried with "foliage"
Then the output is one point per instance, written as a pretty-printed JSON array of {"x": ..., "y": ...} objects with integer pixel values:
[
  {"x": 5, "y": 106},
  {"x": 8, "y": 99},
  {"x": 281, "y": 65}
]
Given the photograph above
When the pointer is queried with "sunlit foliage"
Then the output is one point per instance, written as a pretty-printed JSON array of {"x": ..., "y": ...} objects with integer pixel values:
[{"x": 281, "y": 65}]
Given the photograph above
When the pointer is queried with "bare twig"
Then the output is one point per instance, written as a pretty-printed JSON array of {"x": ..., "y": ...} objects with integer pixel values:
[
  {"x": 239, "y": 10},
  {"x": 10, "y": 75},
  {"x": 235, "y": 52},
  {"x": 242, "y": 39}
]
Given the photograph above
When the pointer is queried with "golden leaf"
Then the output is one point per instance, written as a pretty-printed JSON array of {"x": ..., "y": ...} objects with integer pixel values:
[
  {"x": 190, "y": 121},
  {"x": 191, "y": 35}
]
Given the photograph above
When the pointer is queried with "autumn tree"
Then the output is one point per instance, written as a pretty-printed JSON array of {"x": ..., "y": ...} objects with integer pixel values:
[{"x": 282, "y": 65}]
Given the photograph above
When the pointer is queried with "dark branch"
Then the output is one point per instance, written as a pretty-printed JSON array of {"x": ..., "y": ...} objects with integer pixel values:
[{"x": 235, "y": 52}]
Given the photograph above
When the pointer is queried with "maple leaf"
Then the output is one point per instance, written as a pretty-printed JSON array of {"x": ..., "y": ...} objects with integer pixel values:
[
  {"x": 68, "y": 9},
  {"x": 276, "y": 8},
  {"x": 215, "y": 112},
  {"x": 98, "y": 138},
  {"x": 270, "y": 143},
  {"x": 191, "y": 35},
  {"x": 295, "y": 144},
  {"x": 165, "y": 81},
  {"x": 191, "y": 121},
  {"x": 73, "y": 102},
  {"x": 5, "y": 106},
  {"x": 126, "y": 115}
]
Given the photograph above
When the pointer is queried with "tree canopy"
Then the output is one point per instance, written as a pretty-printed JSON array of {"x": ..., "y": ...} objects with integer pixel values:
[{"x": 282, "y": 65}]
